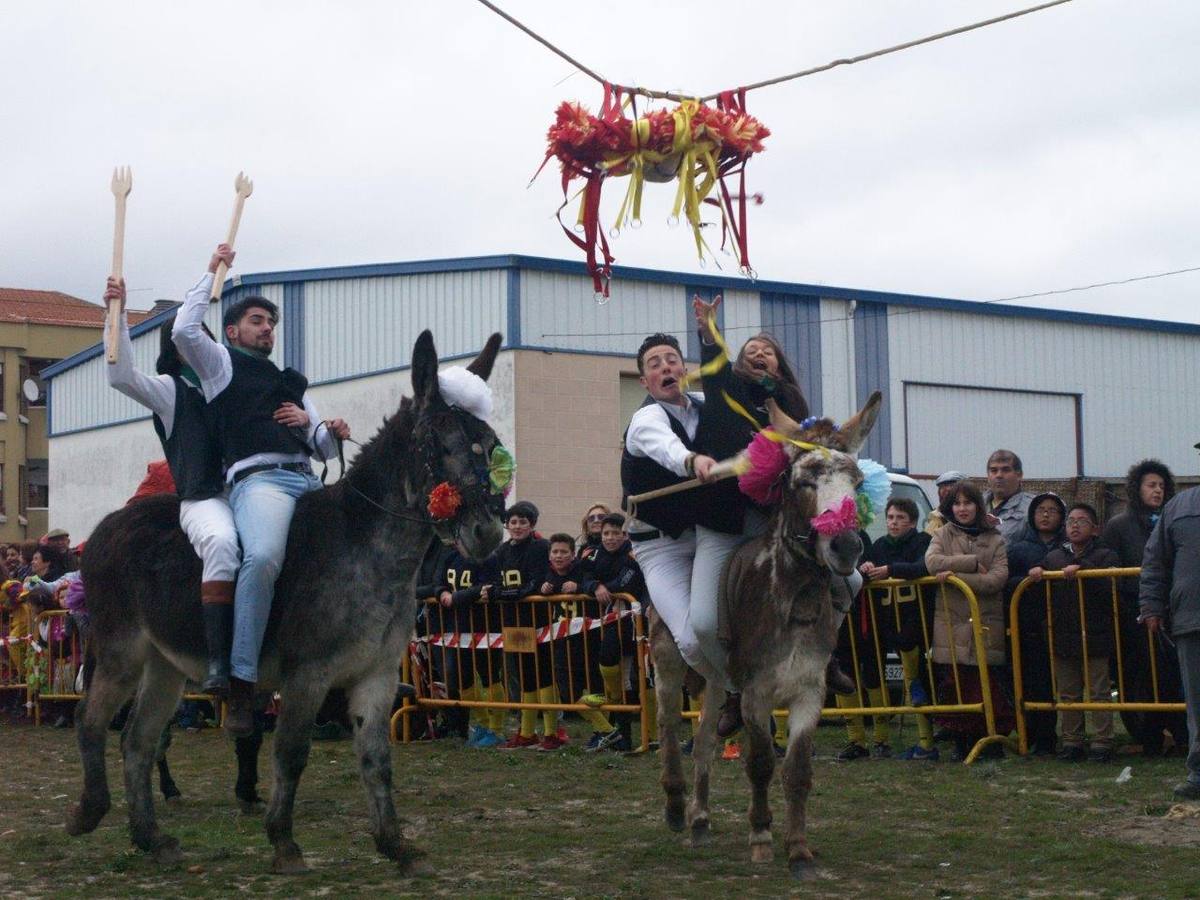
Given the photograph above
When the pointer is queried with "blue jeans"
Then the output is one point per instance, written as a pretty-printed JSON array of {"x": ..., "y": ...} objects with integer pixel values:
[{"x": 262, "y": 504}]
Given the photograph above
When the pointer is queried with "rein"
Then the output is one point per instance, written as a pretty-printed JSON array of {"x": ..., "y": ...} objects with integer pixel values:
[{"x": 344, "y": 479}]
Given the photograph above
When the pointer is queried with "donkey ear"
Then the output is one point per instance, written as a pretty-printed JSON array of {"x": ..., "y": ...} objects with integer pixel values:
[
  {"x": 482, "y": 364},
  {"x": 858, "y": 426},
  {"x": 425, "y": 369},
  {"x": 781, "y": 421}
]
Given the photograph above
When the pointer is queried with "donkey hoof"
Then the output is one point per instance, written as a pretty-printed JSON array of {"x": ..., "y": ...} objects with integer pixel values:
[
  {"x": 289, "y": 861},
  {"x": 700, "y": 832},
  {"x": 761, "y": 853},
  {"x": 803, "y": 869},
  {"x": 165, "y": 851},
  {"x": 675, "y": 819},
  {"x": 253, "y": 807},
  {"x": 84, "y": 817},
  {"x": 409, "y": 860}
]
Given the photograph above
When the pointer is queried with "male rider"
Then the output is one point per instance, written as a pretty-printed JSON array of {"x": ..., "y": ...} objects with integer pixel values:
[{"x": 267, "y": 429}]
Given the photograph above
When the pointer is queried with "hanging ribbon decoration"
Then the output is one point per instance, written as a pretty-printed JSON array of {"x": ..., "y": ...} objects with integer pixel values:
[{"x": 696, "y": 144}]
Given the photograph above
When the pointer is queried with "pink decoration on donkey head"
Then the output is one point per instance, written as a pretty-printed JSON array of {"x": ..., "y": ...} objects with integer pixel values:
[
  {"x": 835, "y": 521},
  {"x": 767, "y": 460}
]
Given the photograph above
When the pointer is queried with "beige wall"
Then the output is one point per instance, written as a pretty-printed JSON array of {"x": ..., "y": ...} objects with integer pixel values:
[{"x": 568, "y": 430}]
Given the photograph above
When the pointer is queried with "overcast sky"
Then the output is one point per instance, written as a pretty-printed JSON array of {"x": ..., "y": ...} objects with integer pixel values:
[{"x": 1055, "y": 150}]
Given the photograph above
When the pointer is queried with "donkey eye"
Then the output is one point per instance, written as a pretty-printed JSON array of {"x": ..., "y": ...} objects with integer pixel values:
[{"x": 477, "y": 449}]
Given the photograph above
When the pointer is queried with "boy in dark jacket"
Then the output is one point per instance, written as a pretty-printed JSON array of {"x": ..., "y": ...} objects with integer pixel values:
[
  {"x": 1044, "y": 532},
  {"x": 521, "y": 564},
  {"x": 904, "y": 618},
  {"x": 1071, "y": 663},
  {"x": 613, "y": 570}
]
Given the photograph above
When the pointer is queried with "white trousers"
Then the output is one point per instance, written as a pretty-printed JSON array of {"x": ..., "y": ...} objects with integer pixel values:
[
  {"x": 209, "y": 526},
  {"x": 667, "y": 567}
]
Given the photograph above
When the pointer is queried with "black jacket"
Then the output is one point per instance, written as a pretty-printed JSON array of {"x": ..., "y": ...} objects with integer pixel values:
[
  {"x": 1097, "y": 601},
  {"x": 1029, "y": 549},
  {"x": 520, "y": 569},
  {"x": 618, "y": 571},
  {"x": 904, "y": 558}
]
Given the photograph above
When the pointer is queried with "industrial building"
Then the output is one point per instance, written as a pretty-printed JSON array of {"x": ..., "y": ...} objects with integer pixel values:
[{"x": 1076, "y": 395}]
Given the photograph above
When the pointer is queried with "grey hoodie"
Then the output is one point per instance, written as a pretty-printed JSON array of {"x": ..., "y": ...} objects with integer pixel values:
[{"x": 1170, "y": 583}]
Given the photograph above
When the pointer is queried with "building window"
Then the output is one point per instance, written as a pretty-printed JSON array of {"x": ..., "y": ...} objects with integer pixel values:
[
  {"x": 31, "y": 370},
  {"x": 37, "y": 481},
  {"x": 22, "y": 492}
]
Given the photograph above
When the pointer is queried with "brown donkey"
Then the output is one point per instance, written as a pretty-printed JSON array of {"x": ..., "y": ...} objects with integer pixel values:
[{"x": 781, "y": 626}]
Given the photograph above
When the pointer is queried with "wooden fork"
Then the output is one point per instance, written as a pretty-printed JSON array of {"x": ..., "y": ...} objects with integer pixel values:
[
  {"x": 243, "y": 188},
  {"x": 122, "y": 184}
]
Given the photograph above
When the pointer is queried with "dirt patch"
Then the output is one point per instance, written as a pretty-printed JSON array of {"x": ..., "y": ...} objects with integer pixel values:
[{"x": 1179, "y": 826}]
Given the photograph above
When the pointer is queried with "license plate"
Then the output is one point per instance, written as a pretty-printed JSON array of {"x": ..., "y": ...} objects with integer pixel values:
[{"x": 893, "y": 672}]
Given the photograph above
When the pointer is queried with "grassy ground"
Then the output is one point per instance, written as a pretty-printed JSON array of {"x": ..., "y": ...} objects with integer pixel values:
[{"x": 570, "y": 824}]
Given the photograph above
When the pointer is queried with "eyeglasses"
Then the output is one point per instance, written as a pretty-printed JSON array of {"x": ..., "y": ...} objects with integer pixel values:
[
  {"x": 597, "y": 517},
  {"x": 1078, "y": 522}
]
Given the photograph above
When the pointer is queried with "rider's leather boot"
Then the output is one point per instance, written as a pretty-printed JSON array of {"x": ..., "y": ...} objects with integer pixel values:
[
  {"x": 837, "y": 680},
  {"x": 239, "y": 712},
  {"x": 731, "y": 716},
  {"x": 216, "y": 598}
]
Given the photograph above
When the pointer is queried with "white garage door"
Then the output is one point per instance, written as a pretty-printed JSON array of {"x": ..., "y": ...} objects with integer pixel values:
[{"x": 949, "y": 427}]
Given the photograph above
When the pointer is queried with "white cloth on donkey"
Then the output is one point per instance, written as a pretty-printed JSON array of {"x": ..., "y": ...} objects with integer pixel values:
[{"x": 467, "y": 391}]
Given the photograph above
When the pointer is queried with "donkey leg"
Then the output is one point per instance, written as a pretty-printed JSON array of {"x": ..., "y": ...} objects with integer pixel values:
[
  {"x": 301, "y": 700},
  {"x": 760, "y": 769},
  {"x": 669, "y": 670},
  {"x": 370, "y": 702},
  {"x": 704, "y": 749},
  {"x": 158, "y": 696},
  {"x": 112, "y": 681},
  {"x": 246, "y": 789},
  {"x": 797, "y": 782}
]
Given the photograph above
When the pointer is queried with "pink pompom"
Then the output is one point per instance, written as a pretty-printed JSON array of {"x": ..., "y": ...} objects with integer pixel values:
[
  {"x": 835, "y": 521},
  {"x": 766, "y": 460}
]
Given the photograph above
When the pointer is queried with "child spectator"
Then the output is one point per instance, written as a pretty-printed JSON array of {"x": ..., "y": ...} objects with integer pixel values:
[
  {"x": 589, "y": 536},
  {"x": 972, "y": 548},
  {"x": 904, "y": 615},
  {"x": 521, "y": 564},
  {"x": 1043, "y": 533},
  {"x": 1083, "y": 551},
  {"x": 474, "y": 675},
  {"x": 577, "y": 653},
  {"x": 613, "y": 570}
]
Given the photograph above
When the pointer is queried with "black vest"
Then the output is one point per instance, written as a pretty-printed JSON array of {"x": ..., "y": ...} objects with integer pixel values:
[
  {"x": 192, "y": 449},
  {"x": 245, "y": 409},
  {"x": 676, "y": 513}
]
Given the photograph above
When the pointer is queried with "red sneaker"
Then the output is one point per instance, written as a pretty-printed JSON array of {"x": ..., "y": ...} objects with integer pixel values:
[
  {"x": 551, "y": 742},
  {"x": 562, "y": 736},
  {"x": 731, "y": 751},
  {"x": 518, "y": 742}
]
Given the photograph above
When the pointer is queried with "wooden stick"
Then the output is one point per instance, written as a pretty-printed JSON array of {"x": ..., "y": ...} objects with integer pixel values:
[
  {"x": 122, "y": 184},
  {"x": 243, "y": 188},
  {"x": 635, "y": 499}
]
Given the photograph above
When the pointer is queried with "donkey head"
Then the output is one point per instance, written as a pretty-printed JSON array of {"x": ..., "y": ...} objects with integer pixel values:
[
  {"x": 819, "y": 504},
  {"x": 456, "y": 456}
]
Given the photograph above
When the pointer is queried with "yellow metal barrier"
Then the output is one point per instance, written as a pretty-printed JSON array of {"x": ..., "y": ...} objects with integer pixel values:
[
  {"x": 873, "y": 594},
  {"x": 516, "y": 642},
  {"x": 16, "y": 625},
  {"x": 55, "y": 658},
  {"x": 1088, "y": 704}
]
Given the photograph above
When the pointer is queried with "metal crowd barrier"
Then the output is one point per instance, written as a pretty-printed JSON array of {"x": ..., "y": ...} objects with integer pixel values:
[
  {"x": 509, "y": 652},
  {"x": 882, "y": 598},
  {"x": 14, "y": 648},
  {"x": 1026, "y": 592}
]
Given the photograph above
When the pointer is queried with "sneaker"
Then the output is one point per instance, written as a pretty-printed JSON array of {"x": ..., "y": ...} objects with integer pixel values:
[
  {"x": 593, "y": 700},
  {"x": 917, "y": 694},
  {"x": 614, "y": 740},
  {"x": 686, "y": 747},
  {"x": 1187, "y": 790},
  {"x": 550, "y": 743},
  {"x": 732, "y": 751},
  {"x": 880, "y": 750},
  {"x": 1100, "y": 755},
  {"x": 593, "y": 743},
  {"x": 853, "y": 751},
  {"x": 473, "y": 735},
  {"x": 487, "y": 740},
  {"x": 916, "y": 751},
  {"x": 1071, "y": 753},
  {"x": 519, "y": 742},
  {"x": 624, "y": 744},
  {"x": 560, "y": 734}
]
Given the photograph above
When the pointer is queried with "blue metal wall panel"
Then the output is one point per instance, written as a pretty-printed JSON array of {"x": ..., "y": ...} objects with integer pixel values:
[
  {"x": 872, "y": 372},
  {"x": 514, "y": 307},
  {"x": 706, "y": 294},
  {"x": 796, "y": 324},
  {"x": 293, "y": 325}
]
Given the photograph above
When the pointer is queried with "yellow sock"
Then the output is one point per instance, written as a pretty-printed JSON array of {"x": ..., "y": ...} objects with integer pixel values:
[
  {"x": 549, "y": 694},
  {"x": 528, "y": 716},
  {"x": 781, "y": 729},
  {"x": 695, "y": 704},
  {"x": 612, "y": 683},
  {"x": 474, "y": 712},
  {"x": 495, "y": 717},
  {"x": 597, "y": 720},
  {"x": 883, "y": 726},
  {"x": 855, "y": 730},
  {"x": 910, "y": 660}
]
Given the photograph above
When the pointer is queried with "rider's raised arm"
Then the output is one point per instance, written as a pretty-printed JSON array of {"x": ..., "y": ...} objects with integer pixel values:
[
  {"x": 650, "y": 435},
  {"x": 209, "y": 359},
  {"x": 156, "y": 393}
]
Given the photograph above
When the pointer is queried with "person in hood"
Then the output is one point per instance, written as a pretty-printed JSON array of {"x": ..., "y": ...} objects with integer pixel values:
[
  {"x": 1044, "y": 531},
  {"x": 1148, "y": 487},
  {"x": 1082, "y": 646}
]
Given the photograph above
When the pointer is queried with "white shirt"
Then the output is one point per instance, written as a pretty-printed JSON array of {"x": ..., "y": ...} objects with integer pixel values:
[
  {"x": 155, "y": 392},
  {"x": 650, "y": 435},
  {"x": 214, "y": 367}
]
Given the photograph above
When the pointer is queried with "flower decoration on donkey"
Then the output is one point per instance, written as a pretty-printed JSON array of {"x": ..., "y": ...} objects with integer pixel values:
[{"x": 696, "y": 144}]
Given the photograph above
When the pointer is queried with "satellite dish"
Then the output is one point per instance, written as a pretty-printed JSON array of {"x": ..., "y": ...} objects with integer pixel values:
[{"x": 32, "y": 390}]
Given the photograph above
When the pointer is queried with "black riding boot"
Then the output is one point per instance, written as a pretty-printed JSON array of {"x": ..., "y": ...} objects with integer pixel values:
[
  {"x": 239, "y": 714},
  {"x": 217, "y": 603}
]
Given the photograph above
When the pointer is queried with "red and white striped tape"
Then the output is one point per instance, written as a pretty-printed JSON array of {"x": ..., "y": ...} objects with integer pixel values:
[{"x": 494, "y": 640}]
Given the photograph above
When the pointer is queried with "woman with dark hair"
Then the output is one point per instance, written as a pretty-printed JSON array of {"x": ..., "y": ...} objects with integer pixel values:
[
  {"x": 1148, "y": 486},
  {"x": 970, "y": 547}
]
